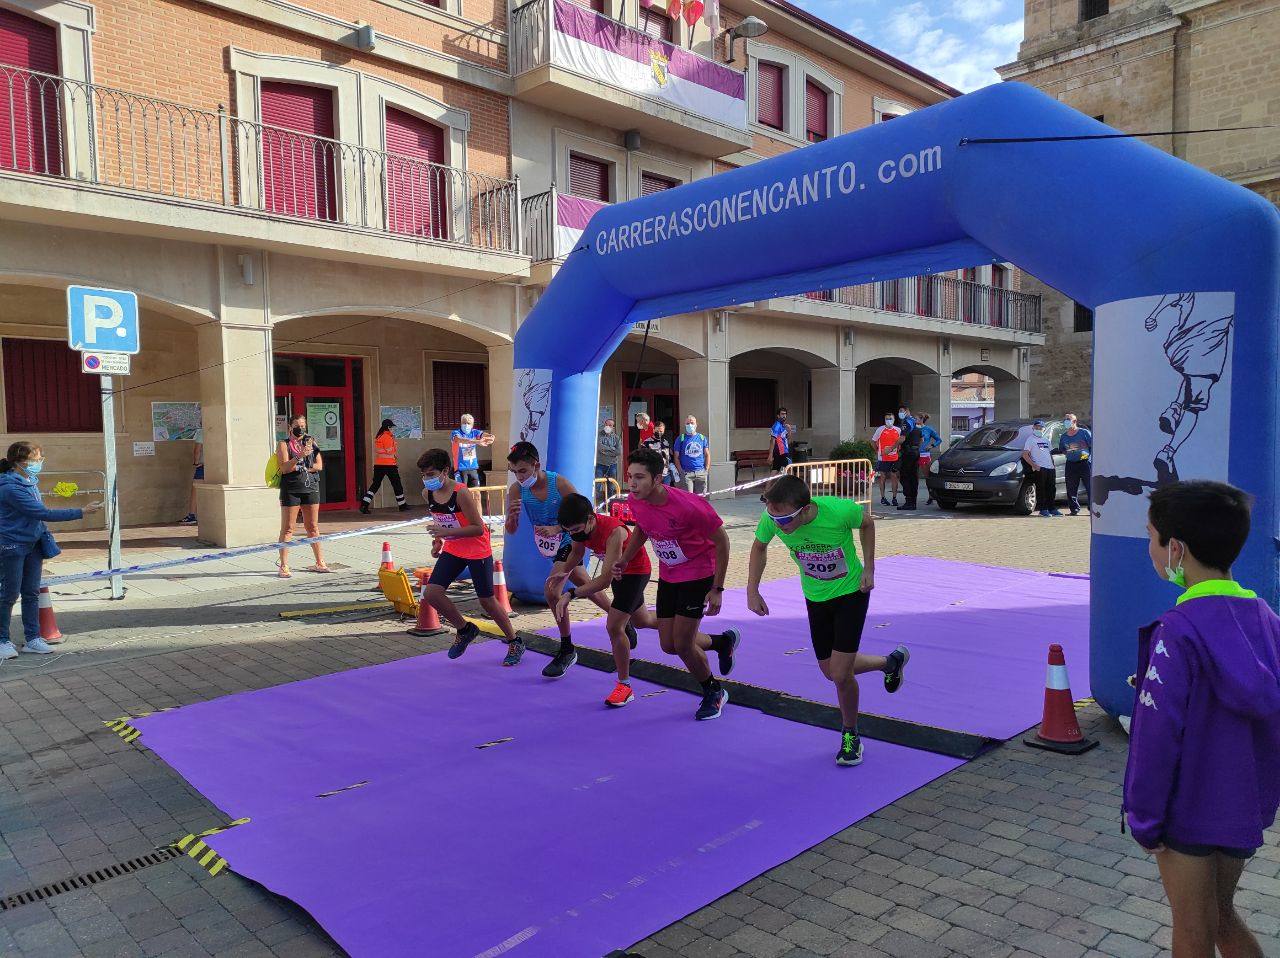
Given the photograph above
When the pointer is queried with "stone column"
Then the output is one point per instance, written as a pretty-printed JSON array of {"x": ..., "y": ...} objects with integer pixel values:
[
  {"x": 1012, "y": 399},
  {"x": 501, "y": 364},
  {"x": 704, "y": 392},
  {"x": 932, "y": 394},
  {"x": 234, "y": 503},
  {"x": 832, "y": 409}
]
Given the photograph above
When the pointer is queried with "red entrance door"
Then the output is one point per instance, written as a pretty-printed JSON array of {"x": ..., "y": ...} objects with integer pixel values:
[{"x": 331, "y": 421}]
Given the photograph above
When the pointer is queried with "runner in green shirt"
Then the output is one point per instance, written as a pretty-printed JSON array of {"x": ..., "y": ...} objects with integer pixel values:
[{"x": 837, "y": 589}]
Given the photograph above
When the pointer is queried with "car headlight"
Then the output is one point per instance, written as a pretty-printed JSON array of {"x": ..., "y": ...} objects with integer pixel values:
[
  {"x": 1008, "y": 469},
  {"x": 935, "y": 467}
]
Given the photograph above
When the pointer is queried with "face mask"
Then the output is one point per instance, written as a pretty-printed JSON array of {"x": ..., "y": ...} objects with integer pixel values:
[
  {"x": 902, "y": 414},
  {"x": 1177, "y": 576},
  {"x": 889, "y": 421},
  {"x": 1069, "y": 424},
  {"x": 466, "y": 427},
  {"x": 579, "y": 536},
  {"x": 297, "y": 431},
  {"x": 786, "y": 520},
  {"x": 608, "y": 430},
  {"x": 432, "y": 484},
  {"x": 688, "y": 429},
  {"x": 528, "y": 483},
  {"x": 33, "y": 468}
]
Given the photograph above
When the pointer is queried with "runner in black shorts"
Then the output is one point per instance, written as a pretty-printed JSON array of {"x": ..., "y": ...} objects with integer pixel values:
[
  {"x": 607, "y": 537},
  {"x": 837, "y": 589}
]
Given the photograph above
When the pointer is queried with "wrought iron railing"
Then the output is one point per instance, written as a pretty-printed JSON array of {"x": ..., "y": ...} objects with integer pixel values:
[
  {"x": 538, "y": 221},
  {"x": 58, "y": 127},
  {"x": 530, "y": 36},
  {"x": 943, "y": 297}
]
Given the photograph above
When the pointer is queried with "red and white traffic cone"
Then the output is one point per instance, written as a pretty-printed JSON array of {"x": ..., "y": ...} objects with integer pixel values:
[
  {"x": 428, "y": 618},
  {"x": 48, "y": 622},
  {"x": 500, "y": 588},
  {"x": 1059, "y": 730},
  {"x": 386, "y": 558}
]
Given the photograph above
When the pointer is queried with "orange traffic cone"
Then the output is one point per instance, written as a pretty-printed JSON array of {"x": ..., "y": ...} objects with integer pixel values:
[
  {"x": 48, "y": 623},
  {"x": 428, "y": 618},
  {"x": 500, "y": 588},
  {"x": 1059, "y": 730},
  {"x": 386, "y": 558}
]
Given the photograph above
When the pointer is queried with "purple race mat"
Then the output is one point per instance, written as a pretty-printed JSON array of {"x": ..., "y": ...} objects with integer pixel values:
[
  {"x": 577, "y": 830},
  {"x": 979, "y": 639}
]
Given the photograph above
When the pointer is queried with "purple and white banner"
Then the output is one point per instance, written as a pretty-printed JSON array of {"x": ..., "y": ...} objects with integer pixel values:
[
  {"x": 595, "y": 46},
  {"x": 573, "y": 213}
]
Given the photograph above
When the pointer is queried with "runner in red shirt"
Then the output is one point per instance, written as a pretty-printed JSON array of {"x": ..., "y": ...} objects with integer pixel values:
[
  {"x": 607, "y": 537},
  {"x": 693, "y": 557}
]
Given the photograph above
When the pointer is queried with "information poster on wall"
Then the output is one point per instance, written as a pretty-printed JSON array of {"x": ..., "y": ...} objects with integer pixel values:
[
  {"x": 173, "y": 421},
  {"x": 407, "y": 419},
  {"x": 324, "y": 423}
]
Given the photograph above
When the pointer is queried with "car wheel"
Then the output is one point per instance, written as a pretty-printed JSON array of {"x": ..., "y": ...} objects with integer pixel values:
[
  {"x": 1026, "y": 503},
  {"x": 946, "y": 505}
]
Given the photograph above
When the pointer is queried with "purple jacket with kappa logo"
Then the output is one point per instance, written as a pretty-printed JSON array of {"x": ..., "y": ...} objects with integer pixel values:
[{"x": 1204, "y": 751}]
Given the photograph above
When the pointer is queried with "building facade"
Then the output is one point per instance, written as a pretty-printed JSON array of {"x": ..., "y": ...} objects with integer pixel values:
[
  {"x": 1151, "y": 66},
  {"x": 346, "y": 211}
]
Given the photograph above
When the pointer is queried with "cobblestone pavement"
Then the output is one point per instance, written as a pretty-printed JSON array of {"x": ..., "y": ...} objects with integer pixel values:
[{"x": 1016, "y": 853}]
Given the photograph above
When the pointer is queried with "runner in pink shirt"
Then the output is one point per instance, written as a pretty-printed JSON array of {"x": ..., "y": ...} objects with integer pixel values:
[{"x": 693, "y": 557}]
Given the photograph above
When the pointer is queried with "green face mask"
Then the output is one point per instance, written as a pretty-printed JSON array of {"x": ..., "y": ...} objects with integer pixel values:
[{"x": 1177, "y": 576}]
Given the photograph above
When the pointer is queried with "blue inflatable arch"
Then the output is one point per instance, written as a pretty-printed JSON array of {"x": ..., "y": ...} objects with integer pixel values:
[{"x": 1182, "y": 267}]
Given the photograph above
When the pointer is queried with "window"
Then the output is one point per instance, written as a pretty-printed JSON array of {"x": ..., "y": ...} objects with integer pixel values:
[
  {"x": 589, "y": 178},
  {"x": 457, "y": 388},
  {"x": 1000, "y": 276},
  {"x": 1092, "y": 9},
  {"x": 299, "y": 163},
  {"x": 816, "y": 112},
  {"x": 657, "y": 24},
  {"x": 755, "y": 403},
  {"x": 1083, "y": 319},
  {"x": 30, "y": 109},
  {"x": 652, "y": 183},
  {"x": 596, "y": 5},
  {"x": 45, "y": 391},
  {"x": 769, "y": 87},
  {"x": 886, "y": 117},
  {"x": 416, "y": 184}
]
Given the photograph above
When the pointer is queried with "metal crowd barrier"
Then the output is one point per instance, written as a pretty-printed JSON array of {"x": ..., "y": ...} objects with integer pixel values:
[{"x": 843, "y": 478}]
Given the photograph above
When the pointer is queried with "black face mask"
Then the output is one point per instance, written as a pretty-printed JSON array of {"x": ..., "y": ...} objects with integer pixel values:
[
  {"x": 297, "y": 431},
  {"x": 579, "y": 536}
]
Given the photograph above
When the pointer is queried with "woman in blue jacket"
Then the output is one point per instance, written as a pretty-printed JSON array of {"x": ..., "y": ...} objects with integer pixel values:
[{"x": 25, "y": 542}]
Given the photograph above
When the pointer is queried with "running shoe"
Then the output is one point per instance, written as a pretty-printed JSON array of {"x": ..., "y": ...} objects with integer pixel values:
[
  {"x": 884, "y": 501},
  {"x": 620, "y": 696},
  {"x": 7, "y": 651},
  {"x": 560, "y": 664},
  {"x": 188, "y": 520},
  {"x": 725, "y": 655},
  {"x": 897, "y": 665},
  {"x": 632, "y": 636},
  {"x": 464, "y": 638},
  {"x": 850, "y": 749},
  {"x": 515, "y": 652},
  {"x": 713, "y": 703},
  {"x": 37, "y": 645},
  {"x": 364, "y": 507}
]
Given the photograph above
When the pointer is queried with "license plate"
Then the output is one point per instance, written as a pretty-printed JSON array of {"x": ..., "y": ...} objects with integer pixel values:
[{"x": 958, "y": 486}]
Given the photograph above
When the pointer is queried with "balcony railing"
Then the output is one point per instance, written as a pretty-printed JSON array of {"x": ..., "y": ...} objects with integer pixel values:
[
  {"x": 537, "y": 218},
  {"x": 943, "y": 297},
  {"x": 61, "y": 128}
]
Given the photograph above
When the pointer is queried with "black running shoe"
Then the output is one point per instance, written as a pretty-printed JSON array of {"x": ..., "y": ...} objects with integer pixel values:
[
  {"x": 364, "y": 508},
  {"x": 713, "y": 703},
  {"x": 850, "y": 749},
  {"x": 632, "y": 636},
  {"x": 515, "y": 652},
  {"x": 464, "y": 638},
  {"x": 897, "y": 665},
  {"x": 733, "y": 637},
  {"x": 884, "y": 501},
  {"x": 560, "y": 664}
]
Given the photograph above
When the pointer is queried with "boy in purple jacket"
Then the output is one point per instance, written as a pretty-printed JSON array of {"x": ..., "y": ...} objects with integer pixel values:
[{"x": 1203, "y": 780}]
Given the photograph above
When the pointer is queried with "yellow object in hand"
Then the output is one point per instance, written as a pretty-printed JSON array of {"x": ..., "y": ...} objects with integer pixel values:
[{"x": 65, "y": 490}]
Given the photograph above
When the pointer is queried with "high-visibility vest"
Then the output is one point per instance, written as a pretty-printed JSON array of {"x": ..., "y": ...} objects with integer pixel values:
[{"x": 384, "y": 448}]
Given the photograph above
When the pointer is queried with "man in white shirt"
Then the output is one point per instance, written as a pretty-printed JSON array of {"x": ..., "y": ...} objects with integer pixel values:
[{"x": 1038, "y": 457}]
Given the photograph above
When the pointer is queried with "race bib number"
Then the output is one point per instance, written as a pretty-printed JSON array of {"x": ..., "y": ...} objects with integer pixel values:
[
  {"x": 828, "y": 566},
  {"x": 669, "y": 552},
  {"x": 547, "y": 539},
  {"x": 446, "y": 520}
]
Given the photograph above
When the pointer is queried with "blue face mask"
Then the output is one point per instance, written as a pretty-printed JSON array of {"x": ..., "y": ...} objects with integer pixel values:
[
  {"x": 33, "y": 468},
  {"x": 432, "y": 484}
]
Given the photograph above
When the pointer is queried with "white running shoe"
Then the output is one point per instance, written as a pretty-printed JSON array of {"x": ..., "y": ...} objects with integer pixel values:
[
  {"x": 38, "y": 645},
  {"x": 7, "y": 651}
]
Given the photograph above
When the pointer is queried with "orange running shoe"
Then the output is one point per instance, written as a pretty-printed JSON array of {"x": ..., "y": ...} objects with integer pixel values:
[{"x": 620, "y": 696}]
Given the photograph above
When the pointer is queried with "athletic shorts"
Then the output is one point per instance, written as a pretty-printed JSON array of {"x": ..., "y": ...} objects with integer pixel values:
[
  {"x": 836, "y": 624},
  {"x": 628, "y": 591},
  {"x": 780, "y": 462},
  {"x": 288, "y": 498},
  {"x": 199, "y": 472},
  {"x": 1204, "y": 851},
  {"x": 887, "y": 465},
  {"x": 448, "y": 567},
  {"x": 683, "y": 598}
]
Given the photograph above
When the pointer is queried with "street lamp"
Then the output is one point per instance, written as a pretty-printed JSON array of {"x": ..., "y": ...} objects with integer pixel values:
[{"x": 751, "y": 27}]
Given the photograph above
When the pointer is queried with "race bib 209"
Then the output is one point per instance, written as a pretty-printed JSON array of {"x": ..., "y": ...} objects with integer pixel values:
[{"x": 828, "y": 565}]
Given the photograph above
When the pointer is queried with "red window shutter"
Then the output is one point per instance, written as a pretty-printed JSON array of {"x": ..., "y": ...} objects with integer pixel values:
[
  {"x": 657, "y": 24},
  {"x": 769, "y": 94},
  {"x": 30, "y": 108},
  {"x": 588, "y": 178},
  {"x": 458, "y": 388},
  {"x": 45, "y": 391},
  {"x": 815, "y": 112},
  {"x": 886, "y": 117},
  {"x": 417, "y": 183},
  {"x": 596, "y": 5},
  {"x": 652, "y": 183},
  {"x": 299, "y": 164},
  {"x": 754, "y": 403}
]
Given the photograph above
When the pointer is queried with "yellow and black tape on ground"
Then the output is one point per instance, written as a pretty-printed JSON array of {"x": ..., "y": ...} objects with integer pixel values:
[
  {"x": 122, "y": 728},
  {"x": 1083, "y": 703},
  {"x": 193, "y": 847}
]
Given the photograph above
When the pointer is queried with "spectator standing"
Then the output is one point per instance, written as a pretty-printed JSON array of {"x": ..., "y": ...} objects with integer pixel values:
[
  {"x": 197, "y": 475},
  {"x": 25, "y": 542},
  {"x": 385, "y": 466},
  {"x": 641, "y": 432},
  {"x": 1038, "y": 457},
  {"x": 608, "y": 452},
  {"x": 691, "y": 454},
  {"x": 464, "y": 441},
  {"x": 1077, "y": 445},
  {"x": 929, "y": 441},
  {"x": 781, "y": 433},
  {"x": 659, "y": 443},
  {"x": 909, "y": 444},
  {"x": 300, "y": 467},
  {"x": 885, "y": 439}
]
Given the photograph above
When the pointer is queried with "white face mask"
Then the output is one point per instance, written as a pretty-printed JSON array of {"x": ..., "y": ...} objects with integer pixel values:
[
  {"x": 690, "y": 428},
  {"x": 608, "y": 430},
  {"x": 888, "y": 421},
  {"x": 528, "y": 483},
  {"x": 902, "y": 414},
  {"x": 1177, "y": 576}
]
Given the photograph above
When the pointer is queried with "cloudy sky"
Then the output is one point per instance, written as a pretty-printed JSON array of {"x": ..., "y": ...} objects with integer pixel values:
[{"x": 958, "y": 41}]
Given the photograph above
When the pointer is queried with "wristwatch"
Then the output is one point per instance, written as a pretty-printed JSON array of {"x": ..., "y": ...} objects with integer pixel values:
[{"x": 717, "y": 588}]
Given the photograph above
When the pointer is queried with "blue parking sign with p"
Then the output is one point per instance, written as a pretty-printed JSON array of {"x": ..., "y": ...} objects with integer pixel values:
[{"x": 102, "y": 320}]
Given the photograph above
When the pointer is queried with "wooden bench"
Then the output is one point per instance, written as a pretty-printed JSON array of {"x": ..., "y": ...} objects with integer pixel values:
[{"x": 752, "y": 459}]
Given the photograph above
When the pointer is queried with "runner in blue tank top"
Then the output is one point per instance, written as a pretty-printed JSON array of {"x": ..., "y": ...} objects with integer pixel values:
[{"x": 537, "y": 494}]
